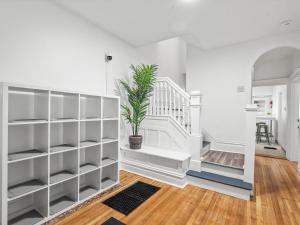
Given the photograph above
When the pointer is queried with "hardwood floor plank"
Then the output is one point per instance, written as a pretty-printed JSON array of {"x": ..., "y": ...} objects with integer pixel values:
[{"x": 276, "y": 202}]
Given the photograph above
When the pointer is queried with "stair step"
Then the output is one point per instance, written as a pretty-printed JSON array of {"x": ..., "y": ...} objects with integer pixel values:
[
  {"x": 220, "y": 179},
  {"x": 225, "y": 159}
]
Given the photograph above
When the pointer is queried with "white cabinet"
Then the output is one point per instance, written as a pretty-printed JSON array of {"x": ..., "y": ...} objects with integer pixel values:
[{"x": 58, "y": 149}]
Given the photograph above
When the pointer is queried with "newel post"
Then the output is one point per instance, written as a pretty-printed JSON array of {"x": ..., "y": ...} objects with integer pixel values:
[
  {"x": 196, "y": 128},
  {"x": 251, "y": 111},
  {"x": 195, "y": 141}
]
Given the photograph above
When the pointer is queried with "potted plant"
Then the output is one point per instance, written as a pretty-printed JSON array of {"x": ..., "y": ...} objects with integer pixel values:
[{"x": 138, "y": 92}]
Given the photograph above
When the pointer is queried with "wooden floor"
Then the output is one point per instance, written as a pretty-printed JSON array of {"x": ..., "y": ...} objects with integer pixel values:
[
  {"x": 277, "y": 202},
  {"x": 229, "y": 159}
]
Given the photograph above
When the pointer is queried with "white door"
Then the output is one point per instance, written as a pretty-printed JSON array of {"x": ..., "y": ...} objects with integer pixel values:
[
  {"x": 298, "y": 127},
  {"x": 293, "y": 152}
]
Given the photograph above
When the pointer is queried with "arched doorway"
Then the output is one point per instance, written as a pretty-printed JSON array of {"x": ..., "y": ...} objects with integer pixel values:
[{"x": 275, "y": 91}]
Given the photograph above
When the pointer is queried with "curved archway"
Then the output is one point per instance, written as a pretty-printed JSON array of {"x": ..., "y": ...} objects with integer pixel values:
[
  {"x": 272, "y": 70},
  {"x": 276, "y": 63}
]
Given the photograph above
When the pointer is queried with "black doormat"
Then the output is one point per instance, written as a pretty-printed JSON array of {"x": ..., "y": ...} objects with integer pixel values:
[
  {"x": 113, "y": 221},
  {"x": 132, "y": 197}
]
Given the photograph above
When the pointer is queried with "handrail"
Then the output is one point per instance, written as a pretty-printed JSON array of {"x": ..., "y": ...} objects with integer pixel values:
[
  {"x": 175, "y": 86},
  {"x": 169, "y": 99}
]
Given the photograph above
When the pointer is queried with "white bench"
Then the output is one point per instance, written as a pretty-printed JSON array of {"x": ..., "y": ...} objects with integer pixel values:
[{"x": 166, "y": 165}]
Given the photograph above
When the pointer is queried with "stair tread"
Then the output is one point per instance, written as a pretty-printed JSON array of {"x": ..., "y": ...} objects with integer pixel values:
[
  {"x": 227, "y": 159},
  {"x": 220, "y": 179}
]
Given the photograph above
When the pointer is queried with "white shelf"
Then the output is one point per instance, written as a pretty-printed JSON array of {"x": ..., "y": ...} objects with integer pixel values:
[
  {"x": 90, "y": 119},
  {"x": 88, "y": 167},
  {"x": 86, "y": 192},
  {"x": 89, "y": 184},
  {"x": 24, "y": 155},
  {"x": 28, "y": 218},
  {"x": 108, "y": 140},
  {"x": 90, "y": 107},
  {"x": 62, "y": 149},
  {"x": 25, "y": 188},
  {"x": 61, "y": 176},
  {"x": 106, "y": 183},
  {"x": 27, "y": 122},
  {"x": 64, "y": 120},
  {"x": 88, "y": 143},
  {"x": 28, "y": 210},
  {"x": 110, "y": 107},
  {"x": 60, "y": 204},
  {"x": 107, "y": 161}
]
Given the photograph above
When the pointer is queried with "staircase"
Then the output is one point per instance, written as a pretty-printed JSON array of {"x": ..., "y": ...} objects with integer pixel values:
[{"x": 173, "y": 123}]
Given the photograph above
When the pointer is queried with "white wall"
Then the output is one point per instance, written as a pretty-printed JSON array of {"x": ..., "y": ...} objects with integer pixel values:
[
  {"x": 170, "y": 56},
  {"x": 218, "y": 72},
  {"x": 44, "y": 44},
  {"x": 262, "y": 91},
  {"x": 281, "y": 113}
]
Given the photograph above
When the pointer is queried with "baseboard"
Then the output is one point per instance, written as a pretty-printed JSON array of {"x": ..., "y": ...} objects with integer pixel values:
[
  {"x": 221, "y": 188},
  {"x": 164, "y": 178}
]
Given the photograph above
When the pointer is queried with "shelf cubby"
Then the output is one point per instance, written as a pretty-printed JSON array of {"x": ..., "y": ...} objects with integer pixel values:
[
  {"x": 90, "y": 107},
  {"x": 63, "y": 136},
  {"x": 89, "y": 158},
  {"x": 63, "y": 195},
  {"x": 110, "y": 131},
  {"x": 64, "y": 106},
  {"x": 55, "y": 145},
  {"x": 110, "y": 108},
  {"x": 90, "y": 133},
  {"x": 63, "y": 166},
  {"x": 109, "y": 177},
  {"x": 27, "y": 105},
  {"x": 89, "y": 184},
  {"x": 27, "y": 141},
  {"x": 27, "y": 176},
  {"x": 28, "y": 210},
  {"x": 109, "y": 153}
]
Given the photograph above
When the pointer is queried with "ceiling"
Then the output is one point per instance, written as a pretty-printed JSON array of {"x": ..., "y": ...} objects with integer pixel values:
[{"x": 204, "y": 23}]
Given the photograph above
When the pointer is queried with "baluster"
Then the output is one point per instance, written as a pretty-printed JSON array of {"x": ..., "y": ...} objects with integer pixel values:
[
  {"x": 189, "y": 119},
  {"x": 178, "y": 107},
  {"x": 161, "y": 98},
  {"x": 166, "y": 98},
  {"x": 154, "y": 101},
  {"x": 183, "y": 111},
  {"x": 150, "y": 105},
  {"x": 174, "y": 103},
  {"x": 170, "y": 101}
]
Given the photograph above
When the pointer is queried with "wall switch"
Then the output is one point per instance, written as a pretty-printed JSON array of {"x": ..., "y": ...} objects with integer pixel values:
[{"x": 241, "y": 89}]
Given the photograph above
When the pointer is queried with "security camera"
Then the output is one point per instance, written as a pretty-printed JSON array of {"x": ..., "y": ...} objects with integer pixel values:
[{"x": 108, "y": 57}]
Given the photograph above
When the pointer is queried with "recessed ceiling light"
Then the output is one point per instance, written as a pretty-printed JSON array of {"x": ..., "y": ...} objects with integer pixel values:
[{"x": 286, "y": 22}]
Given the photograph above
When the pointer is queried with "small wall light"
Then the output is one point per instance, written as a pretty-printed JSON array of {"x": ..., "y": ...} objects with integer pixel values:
[{"x": 108, "y": 57}]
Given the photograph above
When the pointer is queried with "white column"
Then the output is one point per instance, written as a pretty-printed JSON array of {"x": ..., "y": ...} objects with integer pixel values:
[
  {"x": 196, "y": 128},
  {"x": 195, "y": 142},
  {"x": 251, "y": 111}
]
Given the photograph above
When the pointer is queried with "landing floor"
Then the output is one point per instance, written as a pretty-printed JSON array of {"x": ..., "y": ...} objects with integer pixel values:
[
  {"x": 234, "y": 160},
  {"x": 274, "y": 150},
  {"x": 277, "y": 202}
]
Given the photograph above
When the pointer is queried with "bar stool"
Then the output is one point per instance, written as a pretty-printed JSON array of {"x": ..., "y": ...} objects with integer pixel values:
[{"x": 262, "y": 131}]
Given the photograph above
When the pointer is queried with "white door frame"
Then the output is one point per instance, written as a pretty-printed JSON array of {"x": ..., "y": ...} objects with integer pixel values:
[{"x": 293, "y": 114}]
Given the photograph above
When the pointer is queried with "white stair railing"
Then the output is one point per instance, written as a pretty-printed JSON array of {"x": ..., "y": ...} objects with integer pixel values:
[{"x": 170, "y": 100}]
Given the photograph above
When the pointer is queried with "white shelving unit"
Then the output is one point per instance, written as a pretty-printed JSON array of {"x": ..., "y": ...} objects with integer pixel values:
[{"x": 58, "y": 149}]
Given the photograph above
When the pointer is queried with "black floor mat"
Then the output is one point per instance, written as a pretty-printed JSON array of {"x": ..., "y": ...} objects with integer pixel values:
[
  {"x": 132, "y": 197},
  {"x": 113, "y": 221}
]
